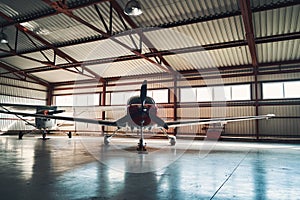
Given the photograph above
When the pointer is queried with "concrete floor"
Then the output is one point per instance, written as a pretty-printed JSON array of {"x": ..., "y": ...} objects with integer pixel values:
[{"x": 82, "y": 168}]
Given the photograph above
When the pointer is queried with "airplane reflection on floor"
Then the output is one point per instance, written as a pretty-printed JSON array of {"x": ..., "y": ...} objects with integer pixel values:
[{"x": 64, "y": 169}]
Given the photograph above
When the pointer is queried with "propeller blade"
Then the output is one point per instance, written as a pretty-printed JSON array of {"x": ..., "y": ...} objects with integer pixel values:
[{"x": 143, "y": 92}]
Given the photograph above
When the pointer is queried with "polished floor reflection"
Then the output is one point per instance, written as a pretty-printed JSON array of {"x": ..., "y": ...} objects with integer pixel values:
[{"x": 82, "y": 168}]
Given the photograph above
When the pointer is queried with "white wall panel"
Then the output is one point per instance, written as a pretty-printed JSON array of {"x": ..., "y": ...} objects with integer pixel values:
[
  {"x": 279, "y": 126},
  {"x": 19, "y": 92}
]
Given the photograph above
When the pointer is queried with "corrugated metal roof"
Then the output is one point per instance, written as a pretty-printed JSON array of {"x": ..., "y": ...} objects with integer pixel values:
[
  {"x": 90, "y": 15},
  {"x": 231, "y": 56},
  {"x": 216, "y": 25},
  {"x": 16, "y": 9},
  {"x": 59, "y": 76},
  {"x": 22, "y": 63},
  {"x": 262, "y": 3},
  {"x": 168, "y": 39},
  {"x": 210, "y": 59},
  {"x": 278, "y": 51},
  {"x": 63, "y": 28},
  {"x": 80, "y": 51},
  {"x": 159, "y": 12},
  {"x": 24, "y": 41},
  {"x": 277, "y": 21},
  {"x": 125, "y": 68},
  {"x": 214, "y": 31},
  {"x": 119, "y": 45}
]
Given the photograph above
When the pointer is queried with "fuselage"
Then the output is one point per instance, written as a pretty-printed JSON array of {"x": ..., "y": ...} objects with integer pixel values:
[
  {"x": 44, "y": 123},
  {"x": 140, "y": 113}
]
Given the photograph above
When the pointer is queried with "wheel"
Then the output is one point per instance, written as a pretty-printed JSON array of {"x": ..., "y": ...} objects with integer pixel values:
[
  {"x": 106, "y": 140},
  {"x": 44, "y": 135},
  {"x": 173, "y": 140},
  {"x": 21, "y": 135},
  {"x": 141, "y": 146}
]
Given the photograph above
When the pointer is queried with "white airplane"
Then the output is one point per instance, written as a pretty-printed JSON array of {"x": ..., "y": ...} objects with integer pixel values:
[
  {"x": 141, "y": 114},
  {"x": 44, "y": 124}
]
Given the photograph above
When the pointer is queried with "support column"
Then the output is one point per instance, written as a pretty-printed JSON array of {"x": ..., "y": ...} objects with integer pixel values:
[
  {"x": 175, "y": 102},
  {"x": 256, "y": 101},
  {"x": 103, "y": 103},
  {"x": 49, "y": 99},
  {"x": 247, "y": 19}
]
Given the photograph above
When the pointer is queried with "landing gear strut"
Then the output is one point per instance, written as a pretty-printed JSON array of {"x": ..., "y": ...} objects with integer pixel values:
[
  {"x": 141, "y": 148},
  {"x": 70, "y": 134},
  {"x": 172, "y": 138},
  {"x": 44, "y": 134},
  {"x": 107, "y": 138}
]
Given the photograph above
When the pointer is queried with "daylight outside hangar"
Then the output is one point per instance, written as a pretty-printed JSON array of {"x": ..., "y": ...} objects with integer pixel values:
[{"x": 201, "y": 59}]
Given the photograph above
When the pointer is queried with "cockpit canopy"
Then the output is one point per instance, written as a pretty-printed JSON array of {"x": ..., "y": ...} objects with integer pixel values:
[{"x": 137, "y": 100}]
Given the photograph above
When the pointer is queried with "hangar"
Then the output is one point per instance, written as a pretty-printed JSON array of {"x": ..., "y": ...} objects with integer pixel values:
[{"x": 201, "y": 59}]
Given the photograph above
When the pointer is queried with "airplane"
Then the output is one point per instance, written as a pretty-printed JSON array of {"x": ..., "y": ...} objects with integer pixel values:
[
  {"x": 141, "y": 114},
  {"x": 44, "y": 124}
]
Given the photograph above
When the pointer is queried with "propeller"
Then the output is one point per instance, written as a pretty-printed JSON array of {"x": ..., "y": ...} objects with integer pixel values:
[
  {"x": 143, "y": 93},
  {"x": 143, "y": 97}
]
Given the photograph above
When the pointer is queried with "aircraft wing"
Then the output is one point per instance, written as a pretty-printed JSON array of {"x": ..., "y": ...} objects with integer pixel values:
[
  {"x": 74, "y": 119},
  {"x": 216, "y": 120},
  {"x": 26, "y": 107}
]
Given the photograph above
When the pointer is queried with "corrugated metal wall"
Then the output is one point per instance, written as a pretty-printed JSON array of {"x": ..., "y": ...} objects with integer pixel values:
[
  {"x": 287, "y": 111},
  {"x": 19, "y": 92}
]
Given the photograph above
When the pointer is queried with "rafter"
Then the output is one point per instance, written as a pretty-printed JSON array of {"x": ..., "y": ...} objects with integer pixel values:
[
  {"x": 247, "y": 19},
  {"x": 155, "y": 53},
  {"x": 78, "y": 5},
  {"x": 261, "y": 40},
  {"x": 62, "y": 8},
  {"x": 119, "y": 10},
  {"x": 197, "y": 71},
  {"x": 51, "y": 46}
]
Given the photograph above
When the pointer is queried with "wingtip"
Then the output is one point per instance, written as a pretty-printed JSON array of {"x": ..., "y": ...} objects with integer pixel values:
[{"x": 270, "y": 115}]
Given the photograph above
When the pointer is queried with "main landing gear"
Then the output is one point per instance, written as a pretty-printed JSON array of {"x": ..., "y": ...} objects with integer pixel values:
[
  {"x": 141, "y": 148},
  {"x": 69, "y": 134},
  {"x": 44, "y": 134},
  {"x": 172, "y": 138},
  {"x": 107, "y": 138},
  {"x": 21, "y": 134}
]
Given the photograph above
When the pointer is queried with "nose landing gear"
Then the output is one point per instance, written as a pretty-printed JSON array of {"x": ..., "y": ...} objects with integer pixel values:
[{"x": 141, "y": 148}]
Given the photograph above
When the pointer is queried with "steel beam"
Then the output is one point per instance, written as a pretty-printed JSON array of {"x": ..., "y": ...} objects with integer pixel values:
[
  {"x": 22, "y": 75},
  {"x": 171, "y": 52},
  {"x": 62, "y": 9},
  {"x": 51, "y": 12},
  {"x": 48, "y": 44},
  {"x": 196, "y": 72},
  {"x": 247, "y": 19}
]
